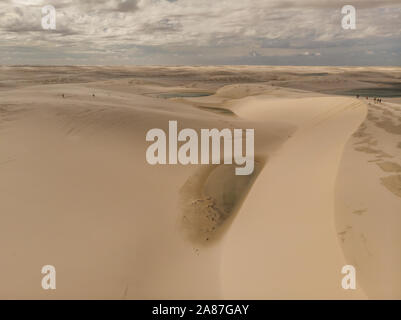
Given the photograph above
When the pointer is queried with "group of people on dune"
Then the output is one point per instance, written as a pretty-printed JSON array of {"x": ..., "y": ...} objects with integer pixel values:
[{"x": 376, "y": 100}]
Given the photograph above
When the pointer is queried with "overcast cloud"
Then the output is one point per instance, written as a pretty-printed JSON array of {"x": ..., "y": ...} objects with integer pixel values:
[{"x": 289, "y": 32}]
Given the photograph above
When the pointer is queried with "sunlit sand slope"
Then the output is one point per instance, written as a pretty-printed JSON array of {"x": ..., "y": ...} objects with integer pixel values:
[
  {"x": 283, "y": 242},
  {"x": 368, "y": 201}
]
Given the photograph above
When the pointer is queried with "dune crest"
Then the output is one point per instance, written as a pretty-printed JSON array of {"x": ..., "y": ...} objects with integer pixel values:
[{"x": 77, "y": 192}]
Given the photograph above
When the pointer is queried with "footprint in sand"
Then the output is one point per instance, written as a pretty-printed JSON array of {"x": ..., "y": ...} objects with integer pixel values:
[{"x": 343, "y": 234}]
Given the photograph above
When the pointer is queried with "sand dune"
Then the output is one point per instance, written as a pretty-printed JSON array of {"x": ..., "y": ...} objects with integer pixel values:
[
  {"x": 284, "y": 221},
  {"x": 77, "y": 193},
  {"x": 368, "y": 202}
]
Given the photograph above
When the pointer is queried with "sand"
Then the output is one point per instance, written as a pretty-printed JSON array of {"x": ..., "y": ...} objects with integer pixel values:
[
  {"x": 76, "y": 191},
  {"x": 372, "y": 239}
]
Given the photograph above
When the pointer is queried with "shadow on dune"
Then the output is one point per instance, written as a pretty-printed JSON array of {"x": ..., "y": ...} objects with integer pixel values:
[{"x": 210, "y": 198}]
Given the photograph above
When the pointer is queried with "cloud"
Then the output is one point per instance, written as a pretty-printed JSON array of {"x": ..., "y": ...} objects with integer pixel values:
[{"x": 160, "y": 31}]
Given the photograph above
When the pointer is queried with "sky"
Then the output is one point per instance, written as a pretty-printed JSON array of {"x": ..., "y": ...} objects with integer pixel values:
[{"x": 200, "y": 32}]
